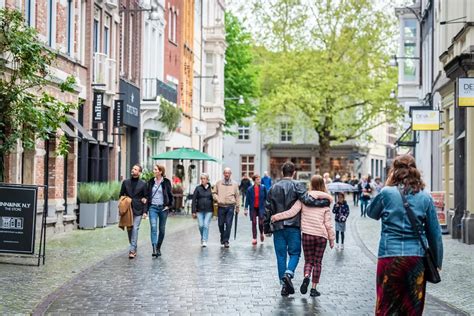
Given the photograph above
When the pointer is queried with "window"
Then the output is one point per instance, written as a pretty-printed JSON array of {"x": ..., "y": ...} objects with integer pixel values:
[
  {"x": 286, "y": 133},
  {"x": 29, "y": 11},
  {"x": 409, "y": 49},
  {"x": 170, "y": 24},
  {"x": 372, "y": 167},
  {"x": 244, "y": 132},
  {"x": 122, "y": 43},
  {"x": 107, "y": 34},
  {"x": 70, "y": 25},
  {"x": 51, "y": 23},
  {"x": 175, "y": 26},
  {"x": 96, "y": 34},
  {"x": 209, "y": 72},
  {"x": 2, "y": 3},
  {"x": 82, "y": 36},
  {"x": 130, "y": 45},
  {"x": 247, "y": 165},
  {"x": 376, "y": 168}
]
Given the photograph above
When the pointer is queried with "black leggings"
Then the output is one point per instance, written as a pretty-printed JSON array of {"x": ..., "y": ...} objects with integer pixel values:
[{"x": 337, "y": 237}]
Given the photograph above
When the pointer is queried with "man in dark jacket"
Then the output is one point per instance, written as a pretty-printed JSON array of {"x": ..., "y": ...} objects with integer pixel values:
[
  {"x": 245, "y": 184},
  {"x": 136, "y": 189},
  {"x": 287, "y": 233}
]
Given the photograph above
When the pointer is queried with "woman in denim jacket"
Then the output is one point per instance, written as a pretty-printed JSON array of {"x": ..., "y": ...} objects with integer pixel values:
[{"x": 400, "y": 270}]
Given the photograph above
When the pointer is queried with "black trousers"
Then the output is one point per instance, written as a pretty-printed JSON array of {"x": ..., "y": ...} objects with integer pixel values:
[{"x": 225, "y": 216}]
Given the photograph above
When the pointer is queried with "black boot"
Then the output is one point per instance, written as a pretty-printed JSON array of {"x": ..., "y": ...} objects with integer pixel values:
[
  {"x": 158, "y": 250},
  {"x": 154, "y": 251}
]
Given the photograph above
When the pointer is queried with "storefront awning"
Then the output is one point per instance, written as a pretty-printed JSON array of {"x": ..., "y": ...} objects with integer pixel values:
[
  {"x": 83, "y": 133},
  {"x": 68, "y": 131},
  {"x": 410, "y": 143}
]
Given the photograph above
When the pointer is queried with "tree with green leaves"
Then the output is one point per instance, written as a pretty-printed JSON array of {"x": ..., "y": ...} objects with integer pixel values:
[
  {"x": 325, "y": 67},
  {"x": 239, "y": 72},
  {"x": 27, "y": 111}
]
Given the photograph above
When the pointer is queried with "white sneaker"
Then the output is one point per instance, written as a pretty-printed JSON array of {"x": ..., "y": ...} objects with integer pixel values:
[
  {"x": 341, "y": 247},
  {"x": 337, "y": 246},
  {"x": 204, "y": 244}
]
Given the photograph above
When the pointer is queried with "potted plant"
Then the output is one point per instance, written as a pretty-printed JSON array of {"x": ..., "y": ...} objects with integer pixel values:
[
  {"x": 103, "y": 203},
  {"x": 88, "y": 198},
  {"x": 114, "y": 188}
]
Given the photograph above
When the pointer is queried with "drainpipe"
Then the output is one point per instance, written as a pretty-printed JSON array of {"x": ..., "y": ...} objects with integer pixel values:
[{"x": 208, "y": 138}]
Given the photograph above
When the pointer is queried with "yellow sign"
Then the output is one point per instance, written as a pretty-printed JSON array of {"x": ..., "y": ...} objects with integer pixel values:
[
  {"x": 466, "y": 92},
  {"x": 425, "y": 120}
]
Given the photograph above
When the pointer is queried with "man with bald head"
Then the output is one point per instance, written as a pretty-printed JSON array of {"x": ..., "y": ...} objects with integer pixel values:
[{"x": 226, "y": 194}]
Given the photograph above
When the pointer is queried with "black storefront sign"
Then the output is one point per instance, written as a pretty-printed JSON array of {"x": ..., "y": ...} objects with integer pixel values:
[
  {"x": 118, "y": 113},
  {"x": 98, "y": 107},
  {"x": 131, "y": 104},
  {"x": 17, "y": 219}
]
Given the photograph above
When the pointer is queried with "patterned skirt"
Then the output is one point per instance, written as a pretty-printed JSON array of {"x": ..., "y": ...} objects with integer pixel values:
[{"x": 401, "y": 286}]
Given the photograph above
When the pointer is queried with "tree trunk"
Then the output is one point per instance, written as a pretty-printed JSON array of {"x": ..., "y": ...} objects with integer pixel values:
[{"x": 324, "y": 148}]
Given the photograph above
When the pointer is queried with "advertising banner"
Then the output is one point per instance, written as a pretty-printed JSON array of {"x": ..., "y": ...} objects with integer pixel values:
[
  {"x": 131, "y": 104},
  {"x": 425, "y": 120},
  {"x": 438, "y": 199},
  {"x": 465, "y": 92},
  {"x": 118, "y": 113},
  {"x": 97, "y": 107},
  {"x": 17, "y": 219}
]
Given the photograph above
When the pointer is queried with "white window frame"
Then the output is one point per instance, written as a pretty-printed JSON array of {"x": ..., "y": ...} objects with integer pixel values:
[
  {"x": 30, "y": 11},
  {"x": 209, "y": 68},
  {"x": 51, "y": 23},
  {"x": 286, "y": 133},
  {"x": 97, "y": 17},
  {"x": 70, "y": 27},
  {"x": 130, "y": 45},
  {"x": 405, "y": 39},
  {"x": 243, "y": 133},
  {"x": 247, "y": 165},
  {"x": 107, "y": 31}
]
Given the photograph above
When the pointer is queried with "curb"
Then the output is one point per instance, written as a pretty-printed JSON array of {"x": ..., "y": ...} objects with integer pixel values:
[{"x": 373, "y": 257}]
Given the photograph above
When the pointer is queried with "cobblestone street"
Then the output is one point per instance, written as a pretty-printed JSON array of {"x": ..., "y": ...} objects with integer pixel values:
[{"x": 188, "y": 279}]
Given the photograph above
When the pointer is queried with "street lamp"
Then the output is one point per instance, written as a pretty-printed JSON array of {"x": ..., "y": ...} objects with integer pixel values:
[
  {"x": 214, "y": 80},
  {"x": 394, "y": 60},
  {"x": 240, "y": 98}
]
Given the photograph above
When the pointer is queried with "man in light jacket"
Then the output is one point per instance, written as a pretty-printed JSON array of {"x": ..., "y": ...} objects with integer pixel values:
[{"x": 226, "y": 194}]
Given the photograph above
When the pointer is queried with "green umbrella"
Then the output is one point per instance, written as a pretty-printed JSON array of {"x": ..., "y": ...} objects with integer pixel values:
[{"x": 184, "y": 154}]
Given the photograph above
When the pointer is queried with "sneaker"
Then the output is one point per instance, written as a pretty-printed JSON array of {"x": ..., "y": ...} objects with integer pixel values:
[
  {"x": 132, "y": 255},
  {"x": 314, "y": 293},
  {"x": 288, "y": 284},
  {"x": 341, "y": 247},
  {"x": 304, "y": 286},
  {"x": 226, "y": 244},
  {"x": 284, "y": 292},
  {"x": 204, "y": 244},
  {"x": 262, "y": 237},
  {"x": 254, "y": 242}
]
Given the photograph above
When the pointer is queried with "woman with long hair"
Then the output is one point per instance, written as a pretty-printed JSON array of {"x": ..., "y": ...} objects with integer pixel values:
[
  {"x": 159, "y": 201},
  {"x": 401, "y": 285},
  {"x": 202, "y": 207},
  {"x": 317, "y": 229}
]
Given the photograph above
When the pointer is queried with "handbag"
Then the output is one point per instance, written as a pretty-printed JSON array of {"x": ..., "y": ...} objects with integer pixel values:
[{"x": 431, "y": 271}]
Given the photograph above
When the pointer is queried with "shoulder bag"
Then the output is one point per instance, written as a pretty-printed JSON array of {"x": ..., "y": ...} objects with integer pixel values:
[{"x": 431, "y": 271}]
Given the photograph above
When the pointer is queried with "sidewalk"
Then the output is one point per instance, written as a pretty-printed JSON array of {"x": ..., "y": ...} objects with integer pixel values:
[
  {"x": 457, "y": 285},
  {"x": 24, "y": 287}
]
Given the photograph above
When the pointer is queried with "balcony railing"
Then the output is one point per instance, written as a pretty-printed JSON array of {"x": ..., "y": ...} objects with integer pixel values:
[
  {"x": 154, "y": 87},
  {"x": 104, "y": 71}
]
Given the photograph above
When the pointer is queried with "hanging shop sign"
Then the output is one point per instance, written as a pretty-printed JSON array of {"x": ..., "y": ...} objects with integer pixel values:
[
  {"x": 118, "y": 113},
  {"x": 465, "y": 92},
  {"x": 131, "y": 104},
  {"x": 17, "y": 219},
  {"x": 425, "y": 120},
  {"x": 98, "y": 107}
]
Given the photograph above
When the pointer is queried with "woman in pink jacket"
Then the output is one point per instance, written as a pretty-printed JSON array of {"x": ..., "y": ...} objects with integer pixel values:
[{"x": 317, "y": 229}]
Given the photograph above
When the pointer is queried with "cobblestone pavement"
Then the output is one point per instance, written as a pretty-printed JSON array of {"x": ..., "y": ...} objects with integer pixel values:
[
  {"x": 22, "y": 288},
  {"x": 189, "y": 279},
  {"x": 457, "y": 285}
]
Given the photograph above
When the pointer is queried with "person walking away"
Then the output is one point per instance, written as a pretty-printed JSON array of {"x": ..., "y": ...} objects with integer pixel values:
[
  {"x": 341, "y": 211},
  {"x": 255, "y": 204},
  {"x": 202, "y": 207},
  {"x": 356, "y": 194},
  {"x": 226, "y": 194},
  {"x": 135, "y": 189},
  {"x": 317, "y": 230},
  {"x": 366, "y": 196},
  {"x": 401, "y": 284},
  {"x": 286, "y": 233},
  {"x": 159, "y": 202},
  {"x": 245, "y": 184},
  {"x": 267, "y": 181}
]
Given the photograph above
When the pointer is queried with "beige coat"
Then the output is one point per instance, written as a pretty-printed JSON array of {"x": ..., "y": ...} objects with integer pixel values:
[
  {"x": 226, "y": 195},
  {"x": 125, "y": 212}
]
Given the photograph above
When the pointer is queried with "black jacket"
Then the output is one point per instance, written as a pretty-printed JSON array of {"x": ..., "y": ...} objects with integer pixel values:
[
  {"x": 136, "y": 195},
  {"x": 167, "y": 194},
  {"x": 281, "y": 197},
  {"x": 202, "y": 199}
]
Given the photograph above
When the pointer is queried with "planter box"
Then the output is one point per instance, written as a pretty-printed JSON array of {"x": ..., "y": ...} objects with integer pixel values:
[
  {"x": 87, "y": 216},
  {"x": 102, "y": 210},
  {"x": 113, "y": 217}
]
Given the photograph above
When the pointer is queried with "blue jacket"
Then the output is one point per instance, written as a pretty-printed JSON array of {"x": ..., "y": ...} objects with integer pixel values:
[
  {"x": 250, "y": 198},
  {"x": 267, "y": 182},
  {"x": 397, "y": 235}
]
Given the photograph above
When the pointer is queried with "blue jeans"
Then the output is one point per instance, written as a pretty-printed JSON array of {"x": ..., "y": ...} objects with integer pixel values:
[
  {"x": 133, "y": 234},
  {"x": 287, "y": 240},
  {"x": 155, "y": 213},
  {"x": 363, "y": 207},
  {"x": 225, "y": 216},
  {"x": 204, "y": 219}
]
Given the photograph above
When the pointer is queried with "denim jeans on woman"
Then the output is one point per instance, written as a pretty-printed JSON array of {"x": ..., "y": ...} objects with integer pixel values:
[
  {"x": 157, "y": 213},
  {"x": 204, "y": 219},
  {"x": 287, "y": 240}
]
